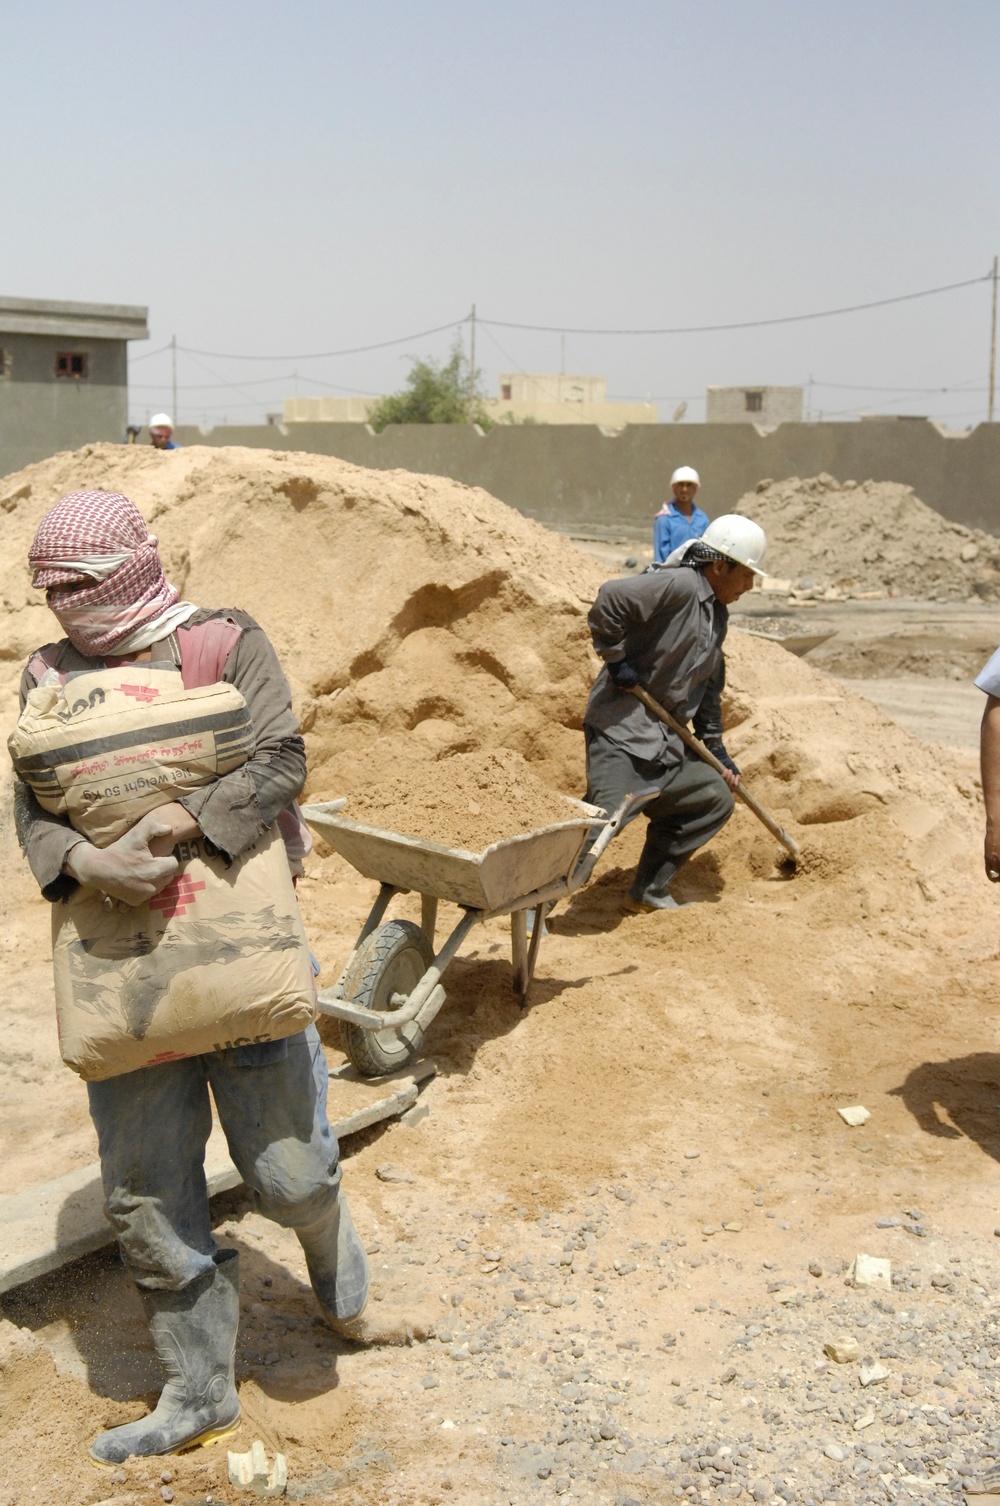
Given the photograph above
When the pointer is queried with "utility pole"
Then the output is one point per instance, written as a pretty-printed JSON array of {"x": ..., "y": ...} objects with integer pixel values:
[
  {"x": 472, "y": 360},
  {"x": 173, "y": 377},
  {"x": 993, "y": 342}
]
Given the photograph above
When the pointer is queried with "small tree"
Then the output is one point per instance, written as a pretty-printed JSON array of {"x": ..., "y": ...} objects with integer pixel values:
[{"x": 433, "y": 394}]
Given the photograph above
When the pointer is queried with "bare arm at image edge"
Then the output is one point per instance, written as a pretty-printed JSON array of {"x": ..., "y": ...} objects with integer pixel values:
[{"x": 989, "y": 758}]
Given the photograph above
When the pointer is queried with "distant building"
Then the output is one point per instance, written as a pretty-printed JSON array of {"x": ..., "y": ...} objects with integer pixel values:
[
  {"x": 754, "y": 405},
  {"x": 63, "y": 375},
  {"x": 541, "y": 398},
  {"x": 327, "y": 410},
  {"x": 524, "y": 398}
]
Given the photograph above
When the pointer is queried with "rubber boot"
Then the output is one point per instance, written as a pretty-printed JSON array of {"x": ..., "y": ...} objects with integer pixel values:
[
  {"x": 338, "y": 1270},
  {"x": 194, "y": 1334},
  {"x": 636, "y": 906},
  {"x": 337, "y": 1263}
]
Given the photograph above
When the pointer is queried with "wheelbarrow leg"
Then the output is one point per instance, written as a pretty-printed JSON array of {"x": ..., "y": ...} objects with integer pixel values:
[
  {"x": 428, "y": 916},
  {"x": 524, "y": 954},
  {"x": 519, "y": 952},
  {"x": 537, "y": 932}
]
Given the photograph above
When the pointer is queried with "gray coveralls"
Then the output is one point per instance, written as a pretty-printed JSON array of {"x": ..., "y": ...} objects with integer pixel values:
[
  {"x": 153, "y": 1124},
  {"x": 669, "y": 625}
]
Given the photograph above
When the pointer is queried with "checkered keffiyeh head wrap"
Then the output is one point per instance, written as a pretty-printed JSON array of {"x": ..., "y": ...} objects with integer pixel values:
[
  {"x": 100, "y": 569},
  {"x": 699, "y": 553}
]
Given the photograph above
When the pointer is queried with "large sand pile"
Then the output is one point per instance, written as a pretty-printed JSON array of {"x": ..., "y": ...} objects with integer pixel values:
[
  {"x": 870, "y": 536},
  {"x": 419, "y": 619},
  {"x": 423, "y": 616}
]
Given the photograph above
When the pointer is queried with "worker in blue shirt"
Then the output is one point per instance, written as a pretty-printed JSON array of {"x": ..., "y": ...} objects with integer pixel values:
[
  {"x": 678, "y": 520},
  {"x": 161, "y": 432}
]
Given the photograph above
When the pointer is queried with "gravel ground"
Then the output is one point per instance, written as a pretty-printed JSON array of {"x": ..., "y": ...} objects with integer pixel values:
[
  {"x": 589, "y": 1354},
  {"x": 578, "y": 1342},
  {"x": 615, "y": 1351}
]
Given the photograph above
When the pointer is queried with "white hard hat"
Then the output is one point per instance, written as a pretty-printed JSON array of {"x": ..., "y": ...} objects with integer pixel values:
[
  {"x": 161, "y": 421},
  {"x": 738, "y": 539},
  {"x": 686, "y": 473}
]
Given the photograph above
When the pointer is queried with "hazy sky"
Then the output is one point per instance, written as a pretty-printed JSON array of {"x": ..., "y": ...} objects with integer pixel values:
[{"x": 281, "y": 180}]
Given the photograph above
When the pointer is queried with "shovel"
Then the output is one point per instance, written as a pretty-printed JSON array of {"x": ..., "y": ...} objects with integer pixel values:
[{"x": 697, "y": 746}]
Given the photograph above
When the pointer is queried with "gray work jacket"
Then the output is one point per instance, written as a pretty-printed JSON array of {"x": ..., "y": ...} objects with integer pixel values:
[
  {"x": 232, "y": 811},
  {"x": 669, "y": 625}
]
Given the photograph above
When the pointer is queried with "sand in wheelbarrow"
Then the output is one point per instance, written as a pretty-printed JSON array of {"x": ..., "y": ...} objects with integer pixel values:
[{"x": 472, "y": 800}]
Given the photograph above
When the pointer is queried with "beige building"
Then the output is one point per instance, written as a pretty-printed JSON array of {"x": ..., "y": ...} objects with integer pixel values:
[
  {"x": 525, "y": 397},
  {"x": 753, "y": 405},
  {"x": 327, "y": 410},
  {"x": 537, "y": 397}
]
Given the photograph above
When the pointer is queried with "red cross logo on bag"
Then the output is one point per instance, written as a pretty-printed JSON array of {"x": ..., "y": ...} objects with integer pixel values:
[{"x": 177, "y": 897}]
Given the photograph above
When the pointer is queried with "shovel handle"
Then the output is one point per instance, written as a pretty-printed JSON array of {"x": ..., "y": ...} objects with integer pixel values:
[{"x": 697, "y": 746}]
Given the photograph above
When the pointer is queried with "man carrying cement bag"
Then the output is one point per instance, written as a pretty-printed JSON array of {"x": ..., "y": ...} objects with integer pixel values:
[
  {"x": 101, "y": 572},
  {"x": 664, "y": 630}
]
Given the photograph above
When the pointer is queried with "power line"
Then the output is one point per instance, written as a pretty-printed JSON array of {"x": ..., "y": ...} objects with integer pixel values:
[
  {"x": 147, "y": 353},
  {"x": 706, "y": 329},
  {"x": 902, "y": 391},
  {"x": 331, "y": 386},
  {"x": 326, "y": 355},
  {"x": 233, "y": 386},
  {"x": 563, "y": 329},
  {"x": 206, "y": 386}
]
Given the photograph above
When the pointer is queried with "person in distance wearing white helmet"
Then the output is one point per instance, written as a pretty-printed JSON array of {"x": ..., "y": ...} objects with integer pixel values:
[
  {"x": 664, "y": 630},
  {"x": 679, "y": 519},
  {"x": 161, "y": 432}
]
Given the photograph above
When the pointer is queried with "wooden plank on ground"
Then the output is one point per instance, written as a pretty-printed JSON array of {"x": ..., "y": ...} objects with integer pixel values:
[{"x": 50, "y": 1225}]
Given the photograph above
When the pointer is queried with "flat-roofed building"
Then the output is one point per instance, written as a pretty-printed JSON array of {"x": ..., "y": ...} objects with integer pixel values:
[
  {"x": 549, "y": 398},
  {"x": 327, "y": 410},
  {"x": 63, "y": 375},
  {"x": 525, "y": 397},
  {"x": 753, "y": 405}
]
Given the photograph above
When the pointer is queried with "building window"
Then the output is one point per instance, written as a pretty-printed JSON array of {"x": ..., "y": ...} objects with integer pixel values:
[
  {"x": 6, "y": 363},
  {"x": 754, "y": 401},
  {"x": 505, "y": 391},
  {"x": 71, "y": 363}
]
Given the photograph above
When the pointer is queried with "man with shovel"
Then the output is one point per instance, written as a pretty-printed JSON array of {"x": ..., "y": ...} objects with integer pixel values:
[{"x": 663, "y": 631}]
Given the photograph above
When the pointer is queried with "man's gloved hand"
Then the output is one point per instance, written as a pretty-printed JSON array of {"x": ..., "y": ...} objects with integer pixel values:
[
  {"x": 623, "y": 674},
  {"x": 732, "y": 774},
  {"x": 127, "y": 870}
]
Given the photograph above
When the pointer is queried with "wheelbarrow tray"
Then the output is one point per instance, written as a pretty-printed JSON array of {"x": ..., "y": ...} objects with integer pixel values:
[{"x": 493, "y": 879}]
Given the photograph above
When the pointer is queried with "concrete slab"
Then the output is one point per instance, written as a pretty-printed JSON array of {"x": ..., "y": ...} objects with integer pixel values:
[{"x": 52, "y": 1224}]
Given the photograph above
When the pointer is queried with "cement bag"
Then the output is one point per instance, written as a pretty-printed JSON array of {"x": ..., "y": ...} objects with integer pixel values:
[
  {"x": 219, "y": 958},
  {"x": 110, "y": 744}
]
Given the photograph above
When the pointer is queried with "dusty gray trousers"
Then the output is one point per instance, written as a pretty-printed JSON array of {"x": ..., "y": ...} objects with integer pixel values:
[
  {"x": 694, "y": 803},
  {"x": 152, "y": 1128}
]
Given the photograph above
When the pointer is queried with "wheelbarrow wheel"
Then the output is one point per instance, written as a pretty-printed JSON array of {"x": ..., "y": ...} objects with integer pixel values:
[{"x": 392, "y": 960}]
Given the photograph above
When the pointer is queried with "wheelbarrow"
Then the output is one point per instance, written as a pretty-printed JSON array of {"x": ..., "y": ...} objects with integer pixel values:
[{"x": 390, "y": 989}]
